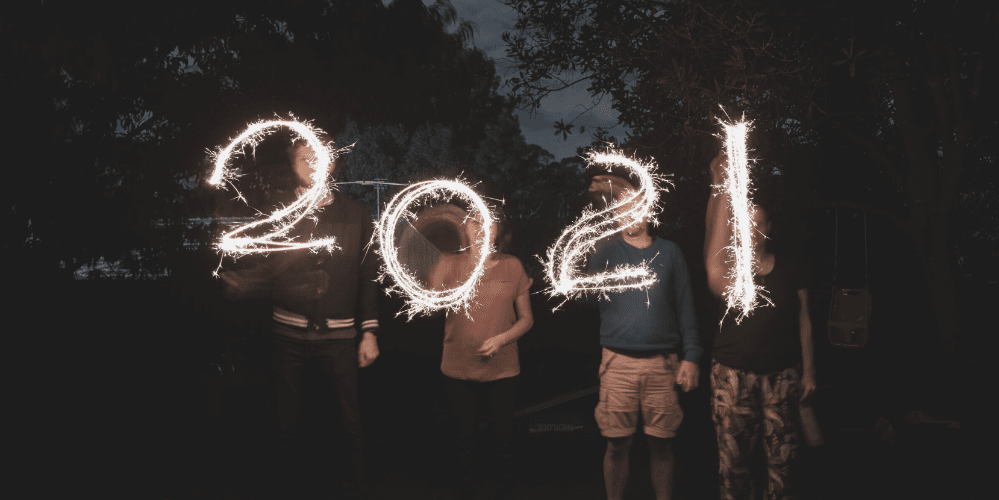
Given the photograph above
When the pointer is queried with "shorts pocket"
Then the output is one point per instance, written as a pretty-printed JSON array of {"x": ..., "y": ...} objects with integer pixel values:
[
  {"x": 661, "y": 412},
  {"x": 606, "y": 358},
  {"x": 616, "y": 412}
]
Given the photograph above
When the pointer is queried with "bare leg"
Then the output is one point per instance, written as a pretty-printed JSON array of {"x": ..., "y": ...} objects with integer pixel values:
[
  {"x": 616, "y": 465},
  {"x": 661, "y": 463}
]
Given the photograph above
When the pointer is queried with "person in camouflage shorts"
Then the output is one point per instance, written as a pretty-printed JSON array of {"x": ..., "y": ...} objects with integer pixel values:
[{"x": 762, "y": 366}]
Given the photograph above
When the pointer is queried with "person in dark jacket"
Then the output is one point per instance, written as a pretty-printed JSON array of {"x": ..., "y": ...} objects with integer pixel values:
[{"x": 322, "y": 301}]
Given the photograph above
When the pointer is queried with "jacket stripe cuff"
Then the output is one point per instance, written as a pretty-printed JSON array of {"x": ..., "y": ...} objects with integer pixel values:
[{"x": 287, "y": 317}]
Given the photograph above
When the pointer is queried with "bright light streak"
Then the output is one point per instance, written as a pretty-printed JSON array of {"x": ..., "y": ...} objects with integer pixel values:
[
  {"x": 282, "y": 220},
  {"x": 420, "y": 300},
  {"x": 743, "y": 294},
  {"x": 568, "y": 255}
]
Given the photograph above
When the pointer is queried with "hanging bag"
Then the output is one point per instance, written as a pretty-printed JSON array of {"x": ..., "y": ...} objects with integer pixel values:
[{"x": 850, "y": 311}]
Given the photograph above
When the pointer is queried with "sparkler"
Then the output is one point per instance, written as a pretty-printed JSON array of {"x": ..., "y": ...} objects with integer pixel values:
[
  {"x": 420, "y": 300},
  {"x": 283, "y": 219},
  {"x": 742, "y": 294},
  {"x": 569, "y": 251}
]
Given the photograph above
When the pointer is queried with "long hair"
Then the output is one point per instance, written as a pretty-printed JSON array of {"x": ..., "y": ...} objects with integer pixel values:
[
  {"x": 292, "y": 150},
  {"x": 504, "y": 231}
]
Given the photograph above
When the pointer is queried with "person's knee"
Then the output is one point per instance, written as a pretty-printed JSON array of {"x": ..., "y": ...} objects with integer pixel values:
[
  {"x": 619, "y": 446},
  {"x": 658, "y": 446}
]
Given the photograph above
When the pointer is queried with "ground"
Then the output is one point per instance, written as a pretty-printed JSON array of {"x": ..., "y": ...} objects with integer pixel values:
[{"x": 113, "y": 402}]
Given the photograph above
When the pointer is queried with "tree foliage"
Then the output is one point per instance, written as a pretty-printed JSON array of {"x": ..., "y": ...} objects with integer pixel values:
[
  {"x": 667, "y": 66},
  {"x": 887, "y": 107},
  {"x": 116, "y": 107}
]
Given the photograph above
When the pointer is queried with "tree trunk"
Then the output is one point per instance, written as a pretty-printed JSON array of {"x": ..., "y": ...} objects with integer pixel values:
[
  {"x": 928, "y": 214},
  {"x": 936, "y": 264}
]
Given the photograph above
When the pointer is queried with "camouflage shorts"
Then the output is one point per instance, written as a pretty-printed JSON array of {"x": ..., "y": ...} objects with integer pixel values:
[{"x": 750, "y": 409}]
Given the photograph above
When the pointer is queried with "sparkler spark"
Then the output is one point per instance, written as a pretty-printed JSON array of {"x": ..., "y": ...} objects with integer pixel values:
[
  {"x": 420, "y": 300},
  {"x": 282, "y": 220},
  {"x": 743, "y": 294},
  {"x": 569, "y": 252}
]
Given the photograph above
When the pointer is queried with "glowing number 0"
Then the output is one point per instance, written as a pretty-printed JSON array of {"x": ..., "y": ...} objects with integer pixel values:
[
  {"x": 571, "y": 248},
  {"x": 283, "y": 219},
  {"x": 420, "y": 299}
]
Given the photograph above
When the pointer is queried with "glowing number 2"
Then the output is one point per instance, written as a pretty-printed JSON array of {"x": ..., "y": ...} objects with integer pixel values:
[
  {"x": 420, "y": 299},
  {"x": 283, "y": 219},
  {"x": 571, "y": 248}
]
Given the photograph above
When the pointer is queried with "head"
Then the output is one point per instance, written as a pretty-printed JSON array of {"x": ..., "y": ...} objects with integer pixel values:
[
  {"x": 617, "y": 187},
  {"x": 302, "y": 156},
  {"x": 501, "y": 231}
]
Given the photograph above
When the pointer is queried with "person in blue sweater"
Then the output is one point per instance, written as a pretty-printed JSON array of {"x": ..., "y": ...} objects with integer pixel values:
[{"x": 650, "y": 346}]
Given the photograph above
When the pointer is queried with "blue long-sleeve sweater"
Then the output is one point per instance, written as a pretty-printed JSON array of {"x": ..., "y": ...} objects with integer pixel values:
[{"x": 659, "y": 318}]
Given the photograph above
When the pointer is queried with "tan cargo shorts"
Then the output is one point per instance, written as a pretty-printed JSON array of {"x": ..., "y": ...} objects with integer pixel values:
[{"x": 638, "y": 388}]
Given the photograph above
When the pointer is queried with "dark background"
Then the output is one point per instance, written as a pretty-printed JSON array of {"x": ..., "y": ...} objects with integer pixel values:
[{"x": 137, "y": 379}]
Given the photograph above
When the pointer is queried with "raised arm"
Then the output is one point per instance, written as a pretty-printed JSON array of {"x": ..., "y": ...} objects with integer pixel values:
[{"x": 718, "y": 231}]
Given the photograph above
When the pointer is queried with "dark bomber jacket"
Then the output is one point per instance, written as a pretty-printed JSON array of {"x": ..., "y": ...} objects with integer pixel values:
[{"x": 328, "y": 295}]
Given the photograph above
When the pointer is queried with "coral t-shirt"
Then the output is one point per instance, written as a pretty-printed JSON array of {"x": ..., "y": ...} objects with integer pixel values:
[{"x": 491, "y": 314}]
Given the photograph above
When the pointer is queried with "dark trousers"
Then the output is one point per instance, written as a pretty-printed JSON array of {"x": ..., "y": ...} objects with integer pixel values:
[
  {"x": 337, "y": 360},
  {"x": 500, "y": 396}
]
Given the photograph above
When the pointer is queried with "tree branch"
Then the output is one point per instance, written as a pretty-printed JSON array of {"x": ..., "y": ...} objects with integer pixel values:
[
  {"x": 978, "y": 75},
  {"x": 955, "y": 85},
  {"x": 550, "y": 90},
  {"x": 138, "y": 130},
  {"x": 932, "y": 78},
  {"x": 829, "y": 116}
]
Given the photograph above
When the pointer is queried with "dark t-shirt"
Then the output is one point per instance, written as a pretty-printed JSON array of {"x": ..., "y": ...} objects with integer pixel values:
[{"x": 768, "y": 340}]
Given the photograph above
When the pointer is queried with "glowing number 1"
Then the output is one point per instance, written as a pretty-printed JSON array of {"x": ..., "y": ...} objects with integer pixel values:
[
  {"x": 569, "y": 251},
  {"x": 283, "y": 219},
  {"x": 742, "y": 293}
]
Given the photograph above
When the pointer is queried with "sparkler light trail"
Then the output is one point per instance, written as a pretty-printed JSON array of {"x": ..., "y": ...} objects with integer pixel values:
[
  {"x": 743, "y": 294},
  {"x": 568, "y": 254},
  {"x": 235, "y": 242},
  {"x": 420, "y": 300}
]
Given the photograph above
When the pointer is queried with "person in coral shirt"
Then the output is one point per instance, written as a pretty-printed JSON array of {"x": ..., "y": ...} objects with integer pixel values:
[{"x": 480, "y": 357}]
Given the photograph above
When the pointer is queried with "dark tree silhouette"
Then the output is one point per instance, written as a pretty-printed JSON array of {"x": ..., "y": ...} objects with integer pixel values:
[
  {"x": 115, "y": 108},
  {"x": 886, "y": 107}
]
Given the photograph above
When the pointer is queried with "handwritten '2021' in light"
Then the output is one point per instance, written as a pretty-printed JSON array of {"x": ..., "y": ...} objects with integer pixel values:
[
  {"x": 743, "y": 293},
  {"x": 282, "y": 220},
  {"x": 419, "y": 299},
  {"x": 568, "y": 254}
]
